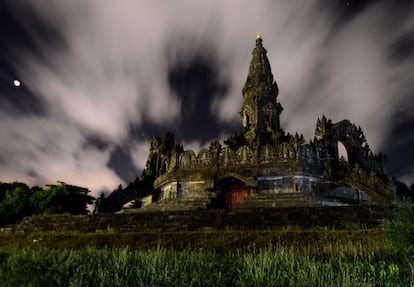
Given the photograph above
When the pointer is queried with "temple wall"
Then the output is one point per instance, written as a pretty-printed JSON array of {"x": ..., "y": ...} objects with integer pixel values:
[
  {"x": 285, "y": 167},
  {"x": 185, "y": 188},
  {"x": 276, "y": 184},
  {"x": 281, "y": 153}
]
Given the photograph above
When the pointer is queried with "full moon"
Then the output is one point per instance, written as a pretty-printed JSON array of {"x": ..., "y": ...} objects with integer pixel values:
[{"x": 17, "y": 83}]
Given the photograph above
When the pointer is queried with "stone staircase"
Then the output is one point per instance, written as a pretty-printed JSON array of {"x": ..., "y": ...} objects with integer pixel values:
[
  {"x": 174, "y": 204},
  {"x": 191, "y": 220},
  {"x": 277, "y": 200}
]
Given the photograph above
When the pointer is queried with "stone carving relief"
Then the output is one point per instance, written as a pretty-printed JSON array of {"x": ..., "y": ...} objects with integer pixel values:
[
  {"x": 172, "y": 163},
  {"x": 204, "y": 158},
  {"x": 267, "y": 154},
  {"x": 188, "y": 159},
  {"x": 245, "y": 155},
  {"x": 227, "y": 157},
  {"x": 286, "y": 152}
]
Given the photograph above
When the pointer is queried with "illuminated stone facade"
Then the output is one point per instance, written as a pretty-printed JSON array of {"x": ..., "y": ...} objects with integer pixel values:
[{"x": 262, "y": 161}]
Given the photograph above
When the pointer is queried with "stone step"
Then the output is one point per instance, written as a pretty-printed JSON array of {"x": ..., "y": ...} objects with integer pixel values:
[
  {"x": 279, "y": 195},
  {"x": 276, "y": 200},
  {"x": 198, "y": 220},
  {"x": 171, "y": 204},
  {"x": 183, "y": 200}
]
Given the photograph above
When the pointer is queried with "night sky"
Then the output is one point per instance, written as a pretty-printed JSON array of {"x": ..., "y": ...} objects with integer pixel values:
[{"x": 98, "y": 78}]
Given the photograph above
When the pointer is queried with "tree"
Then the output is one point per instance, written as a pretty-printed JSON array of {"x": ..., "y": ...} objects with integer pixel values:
[
  {"x": 16, "y": 202},
  {"x": 63, "y": 198},
  {"x": 235, "y": 141},
  {"x": 402, "y": 190},
  {"x": 161, "y": 150},
  {"x": 5, "y": 187}
]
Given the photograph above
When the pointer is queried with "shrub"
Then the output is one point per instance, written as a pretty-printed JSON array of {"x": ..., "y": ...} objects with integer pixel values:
[{"x": 400, "y": 228}]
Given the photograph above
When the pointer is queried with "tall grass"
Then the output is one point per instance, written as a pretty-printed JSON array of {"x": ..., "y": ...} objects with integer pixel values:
[
  {"x": 272, "y": 266},
  {"x": 123, "y": 267},
  {"x": 284, "y": 268}
]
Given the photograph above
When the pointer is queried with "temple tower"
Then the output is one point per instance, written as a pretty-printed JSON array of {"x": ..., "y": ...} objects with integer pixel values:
[{"x": 260, "y": 111}]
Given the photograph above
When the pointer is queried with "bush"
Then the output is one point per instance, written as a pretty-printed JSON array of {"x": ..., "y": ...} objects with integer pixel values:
[{"x": 400, "y": 228}]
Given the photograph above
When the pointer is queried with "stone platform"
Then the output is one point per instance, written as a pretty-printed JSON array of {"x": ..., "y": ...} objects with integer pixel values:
[{"x": 178, "y": 221}]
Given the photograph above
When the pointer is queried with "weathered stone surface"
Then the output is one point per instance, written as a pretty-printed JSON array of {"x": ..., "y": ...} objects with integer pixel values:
[
  {"x": 237, "y": 219},
  {"x": 277, "y": 200},
  {"x": 262, "y": 158}
]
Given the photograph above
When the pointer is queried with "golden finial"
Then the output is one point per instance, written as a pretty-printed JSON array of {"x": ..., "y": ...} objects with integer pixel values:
[{"x": 258, "y": 36}]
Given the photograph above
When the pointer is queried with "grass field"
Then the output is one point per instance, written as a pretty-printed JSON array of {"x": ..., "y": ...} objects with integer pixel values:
[
  {"x": 271, "y": 266},
  {"x": 287, "y": 256}
]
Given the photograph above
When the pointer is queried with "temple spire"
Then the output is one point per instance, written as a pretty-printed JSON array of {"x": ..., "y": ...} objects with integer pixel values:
[
  {"x": 260, "y": 72},
  {"x": 260, "y": 110}
]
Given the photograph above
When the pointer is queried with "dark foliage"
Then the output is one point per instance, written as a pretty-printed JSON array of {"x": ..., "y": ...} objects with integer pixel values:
[
  {"x": 18, "y": 200},
  {"x": 235, "y": 141},
  {"x": 401, "y": 227},
  {"x": 161, "y": 155},
  {"x": 402, "y": 190}
]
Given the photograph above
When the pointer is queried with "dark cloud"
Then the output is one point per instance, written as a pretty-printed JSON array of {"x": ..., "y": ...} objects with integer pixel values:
[
  {"x": 347, "y": 9},
  {"x": 400, "y": 157},
  {"x": 18, "y": 101},
  {"x": 403, "y": 48},
  {"x": 95, "y": 141},
  {"x": 32, "y": 173},
  {"x": 120, "y": 161},
  {"x": 23, "y": 31},
  {"x": 12, "y": 32},
  {"x": 196, "y": 83}
]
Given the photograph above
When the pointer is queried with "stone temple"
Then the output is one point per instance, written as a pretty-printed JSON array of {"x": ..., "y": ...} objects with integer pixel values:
[{"x": 262, "y": 166}]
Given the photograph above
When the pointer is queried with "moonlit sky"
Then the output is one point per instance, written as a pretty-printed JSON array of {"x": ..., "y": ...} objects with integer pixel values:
[{"x": 98, "y": 78}]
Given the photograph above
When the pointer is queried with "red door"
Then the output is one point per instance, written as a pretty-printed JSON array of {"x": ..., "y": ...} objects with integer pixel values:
[{"x": 236, "y": 196}]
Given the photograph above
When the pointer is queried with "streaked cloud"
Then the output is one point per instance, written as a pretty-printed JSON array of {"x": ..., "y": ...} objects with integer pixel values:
[{"x": 108, "y": 70}]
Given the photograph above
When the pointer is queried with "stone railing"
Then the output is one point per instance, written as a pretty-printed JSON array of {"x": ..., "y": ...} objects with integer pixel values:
[
  {"x": 282, "y": 153},
  {"x": 373, "y": 185}
]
